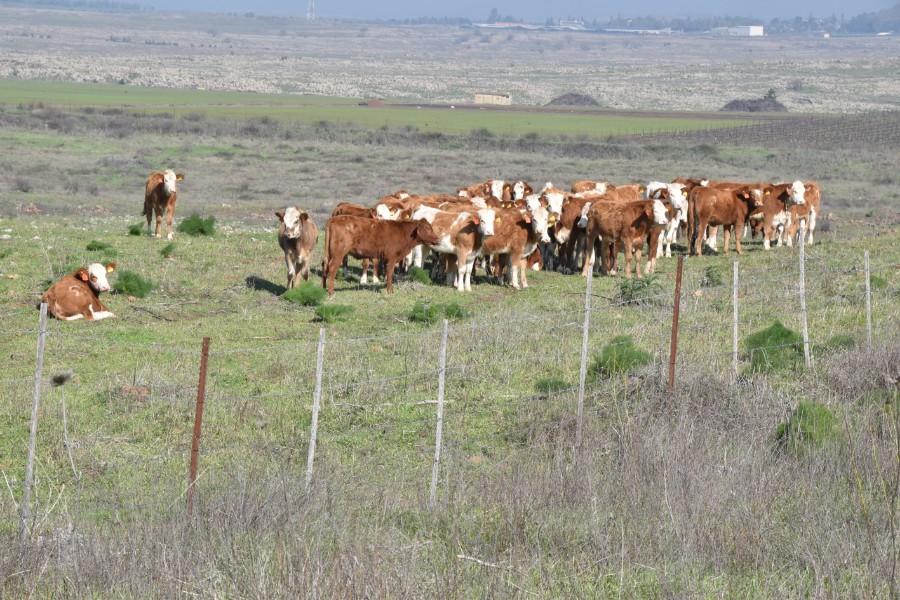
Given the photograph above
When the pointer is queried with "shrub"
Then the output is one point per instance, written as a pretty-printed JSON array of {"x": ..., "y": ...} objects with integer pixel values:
[
  {"x": 307, "y": 294},
  {"x": 137, "y": 229},
  {"x": 196, "y": 225},
  {"x": 330, "y": 313},
  {"x": 551, "y": 386},
  {"x": 713, "y": 277},
  {"x": 774, "y": 348},
  {"x": 421, "y": 275},
  {"x": 810, "y": 427},
  {"x": 423, "y": 313},
  {"x": 95, "y": 246},
  {"x": 132, "y": 284},
  {"x": 640, "y": 290},
  {"x": 620, "y": 355},
  {"x": 428, "y": 314},
  {"x": 167, "y": 250}
]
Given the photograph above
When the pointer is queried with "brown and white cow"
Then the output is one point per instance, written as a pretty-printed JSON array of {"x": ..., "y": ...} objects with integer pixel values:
[
  {"x": 806, "y": 199},
  {"x": 460, "y": 235},
  {"x": 516, "y": 235},
  {"x": 77, "y": 296},
  {"x": 297, "y": 236},
  {"x": 729, "y": 207},
  {"x": 568, "y": 233},
  {"x": 159, "y": 197},
  {"x": 625, "y": 222},
  {"x": 388, "y": 241}
]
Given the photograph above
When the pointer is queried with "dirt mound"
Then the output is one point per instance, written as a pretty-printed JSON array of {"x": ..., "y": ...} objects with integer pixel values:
[{"x": 573, "y": 99}]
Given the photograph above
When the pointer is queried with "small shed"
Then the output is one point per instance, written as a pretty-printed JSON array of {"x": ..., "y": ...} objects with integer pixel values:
[{"x": 493, "y": 98}]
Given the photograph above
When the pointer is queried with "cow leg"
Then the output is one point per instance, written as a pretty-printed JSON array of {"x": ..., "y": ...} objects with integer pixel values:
[
  {"x": 737, "y": 240},
  {"x": 638, "y": 252},
  {"x": 389, "y": 276},
  {"x": 727, "y": 235},
  {"x": 364, "y": 276},
  {"x": 462, "y": 264},
  {"x": 291, "y": 270},
  {"x": 512, "y": 271},
  {"x": 812, "y": 224},
  {"x": 470, "y": 266}
]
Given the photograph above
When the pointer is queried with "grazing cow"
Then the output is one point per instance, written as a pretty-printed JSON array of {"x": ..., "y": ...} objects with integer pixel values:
[
  {"x": 729, "y": 207},
  {"x": 358, "y": 210},
  {"x": 516, "y": 235},
  {"x": 297, "y": 236},
  {"x": 624, "y": 222},
  {"x": 806, "y": 199},
  {"x": 460, "y": 234},
  {"x": 77, "y": 296},
  {"x": 160, "y": 196},
  {"x": 568, "y": 233},
  {"x": 388, "y": 241}
]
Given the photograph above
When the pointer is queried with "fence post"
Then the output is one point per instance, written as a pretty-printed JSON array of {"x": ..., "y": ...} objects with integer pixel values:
[
  {"x": 734, "y": 360},
  {"x": 24, "y": 513},
  {"x": 317, "y": 395},
  {"x": 868, "y": 304},
  {"x": 198, "y": 426},
  {"x": 806, "y": 354},
  {"x": 584, "y": 348},
  {"x": 440, "y": 416},
  {"x": 676, "y": 309}
]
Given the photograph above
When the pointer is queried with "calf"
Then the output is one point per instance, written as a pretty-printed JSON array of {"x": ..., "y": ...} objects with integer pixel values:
[
  {"x": 77, "y": 296},
  {"x": 624, "y": 222},
  {"x": 297, "y": 236},
  {"x": 388, "y": 241},
  {"x": 806, "y": 199},
  {"x": 723, "y": 206},
  {"x": 160, "y": 196},
  {"x": 568, "y": 233},
  {"x": 461, "y": 234},
  {"x": 516, "y": 235}
]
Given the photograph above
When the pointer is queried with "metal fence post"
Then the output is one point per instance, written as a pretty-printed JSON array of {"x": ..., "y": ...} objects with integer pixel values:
[
  {"x": 440, "y": 416},
  {"x": 734, "y": 360},
  {"x": 24, "y": 513},
  {"x": 868, "y": 304},
  {"x": 317, "y": 394}
]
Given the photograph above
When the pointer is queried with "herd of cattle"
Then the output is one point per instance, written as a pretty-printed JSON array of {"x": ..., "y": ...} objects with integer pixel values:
[{"x": 505, "y": 225}]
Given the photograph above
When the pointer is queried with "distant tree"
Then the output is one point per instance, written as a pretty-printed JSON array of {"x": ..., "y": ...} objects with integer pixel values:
[{"x": 494, "y": 16}]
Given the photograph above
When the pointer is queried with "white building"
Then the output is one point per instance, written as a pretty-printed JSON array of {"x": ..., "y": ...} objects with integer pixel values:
[{"x": 746, "y": 31}]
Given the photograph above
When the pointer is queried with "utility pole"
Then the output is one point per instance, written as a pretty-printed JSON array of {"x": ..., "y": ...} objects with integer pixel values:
[{"x": 311, "y": 10}]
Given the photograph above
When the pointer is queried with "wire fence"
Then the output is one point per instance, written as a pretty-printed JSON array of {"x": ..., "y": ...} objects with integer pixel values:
[{"x": 117, "y": 447}]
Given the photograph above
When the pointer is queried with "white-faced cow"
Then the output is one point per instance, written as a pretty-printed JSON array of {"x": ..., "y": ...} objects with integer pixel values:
[
  {"x": 297, "y": 236},
  {"x": 161, "y": 194},
  {"x": 76, "y": 296}
]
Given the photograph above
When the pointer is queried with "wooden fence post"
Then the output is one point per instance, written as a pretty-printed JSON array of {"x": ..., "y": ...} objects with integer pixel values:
[
  {"x": 676, "y": 309},
  {"x": 868, "y": 304},
  {"x": 579, "y": 420},
  {"x": 806, "y": 353},
  {"x": 317, "y": 395},
  {"x": 734, "y": 360},
  {"x": 198, "y": 426},
  {"x": 440, "y": 416},
  {"x": 24, "y": 512}
]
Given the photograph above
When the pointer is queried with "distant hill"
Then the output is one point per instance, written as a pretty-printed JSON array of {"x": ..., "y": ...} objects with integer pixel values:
[{"x": 887, "y": 20}]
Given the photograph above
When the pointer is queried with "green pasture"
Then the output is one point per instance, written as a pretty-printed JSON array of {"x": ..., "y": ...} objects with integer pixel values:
[{"x": 352, "y": 112}]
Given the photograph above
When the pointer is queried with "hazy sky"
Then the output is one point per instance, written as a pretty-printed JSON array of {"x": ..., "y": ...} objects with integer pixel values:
[{"x": 531, "y": 10}]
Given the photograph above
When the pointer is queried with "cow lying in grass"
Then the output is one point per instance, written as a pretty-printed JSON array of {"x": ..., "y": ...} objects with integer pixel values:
[{"x": 76, "y": 296}]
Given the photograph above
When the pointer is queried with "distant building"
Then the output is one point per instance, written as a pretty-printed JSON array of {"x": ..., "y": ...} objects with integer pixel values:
[
  {"x": 492, "y": 98},
  {"x": 745, "y": 31}
]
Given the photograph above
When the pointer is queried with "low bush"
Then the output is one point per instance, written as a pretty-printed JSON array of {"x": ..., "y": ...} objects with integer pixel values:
[
  {"x": 132, "y": 284},
  {"x": 713, "y": 276},
  {"x": 620, "y": 355},
  {"x": 167, "y": 250},
  {"x": 428, "y": 314},
  {"x": 96, "y": 246},
  {"x": 329, "y": 313},
  {"x": 775, "y": 348},
  {"x": 420, "y": 275},
  {"x": 136, "y": 229},
  {"x": 307, "y": 294},
  {"x": 196, "y": 225},
  {"x": 810, "y": 427},
  {"x": 640, "y": 290}
]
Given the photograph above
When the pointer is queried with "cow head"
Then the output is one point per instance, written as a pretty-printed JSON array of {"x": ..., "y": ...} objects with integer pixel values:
[
  {"x": 798, "y": 193},
  {"x": 425, "y": 233},
  {"x": 520, "y": 190},
  {"x": 95, "y": 275},
  {"x": 486, "y": 219},
  {"x": 583, "y": 219},
  {"x": 170, "y": 181},
  {"x": 660, "y": 215},
  {"x": 293, "y": 219},
  {"x": 751, "y": 195},
  {"x": 539, "y": 219},
  {"x": 554, "y": 200}
]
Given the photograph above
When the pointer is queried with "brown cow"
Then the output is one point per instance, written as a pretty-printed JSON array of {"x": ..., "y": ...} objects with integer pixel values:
[
  {"x": 516, "y": 235},
  {"x": 77, "y": 296},
  {"x": 389, "y": 241},
  {"x": 624, "y": 222},
  {"x": 297, "y": 236},
  {"x": 723, "y": 206},
  {"x": 160, "y": 196}
]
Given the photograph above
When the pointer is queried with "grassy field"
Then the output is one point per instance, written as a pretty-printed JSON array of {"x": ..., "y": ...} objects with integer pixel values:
[{"x": 688, "y": 494}]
